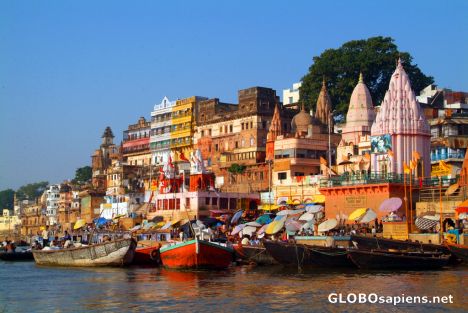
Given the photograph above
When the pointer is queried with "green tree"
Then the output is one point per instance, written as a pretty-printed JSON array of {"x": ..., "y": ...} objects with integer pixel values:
[
  {"x": 6, "y": 199},
  {"x": 32, "y": 191},
  {"x": 236, "y": 169},
  {"x": 83, "y": 175},
  {"x": 375, "y": 57}
]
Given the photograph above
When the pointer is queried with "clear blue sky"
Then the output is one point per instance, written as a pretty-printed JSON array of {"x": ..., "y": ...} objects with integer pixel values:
[{"x": 70, "y": 68}]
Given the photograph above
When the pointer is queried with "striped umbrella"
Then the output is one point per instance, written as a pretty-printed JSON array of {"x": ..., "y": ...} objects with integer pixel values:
[{"x": 424, "y": 223}]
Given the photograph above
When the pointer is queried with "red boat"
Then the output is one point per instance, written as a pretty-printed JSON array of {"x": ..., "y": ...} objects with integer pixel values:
[
  {"x": 196, "y": 254},
  {"x": 147, "y": 255}
]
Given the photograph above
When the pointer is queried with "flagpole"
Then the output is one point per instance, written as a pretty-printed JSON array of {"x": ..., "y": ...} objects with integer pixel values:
[
  {"x": 406, "y": 200},
  {"x": 441, "y": 231},
  {"x": 411, "y": 201}
]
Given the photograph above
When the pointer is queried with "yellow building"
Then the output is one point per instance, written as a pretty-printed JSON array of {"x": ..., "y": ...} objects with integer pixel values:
[
  {"x": 183, "y": 127},
  {"x": 8, "y": 222}
]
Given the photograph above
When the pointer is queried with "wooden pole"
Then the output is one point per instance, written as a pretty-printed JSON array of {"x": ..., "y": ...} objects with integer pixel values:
[
  {"x": 406, "y": 201},
  {"x": 441, "y": 231}
]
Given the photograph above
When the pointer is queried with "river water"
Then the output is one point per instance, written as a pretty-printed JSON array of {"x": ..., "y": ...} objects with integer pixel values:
[{"x": 25, "y": 287}]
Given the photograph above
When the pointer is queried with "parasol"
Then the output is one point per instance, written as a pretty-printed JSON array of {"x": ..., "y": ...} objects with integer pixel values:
[
  {"x": 292, "y": 225},
  {"x": 308, "y": 225},
  {"x": 307, "y": 216},
  {"x": 136, "y": 227},
  {"x": 357, "y": 214},
  {"x": 254, "y": 224},
  {"x": 249, "y": 230},
  {"x": 79, "y": 224},
  {"x": 290, "y": 212},
  {"x": 100, "y": 221},
  {"x": 274, "y": 227},
  {"x": 390, "y": 205},
  {"x": 262, "y": 229},
  {"x": 424, "y": 223},
  {"x": 237, "y": 229},
  {"x": 435, "y": 217},
  {"x": 370, "y": 215},
  {"x": 450, "y": 190},
  {"x": 327, "y": 225},
  {"x": 167, "y": 225},
  {"x": 314, "y": 208},
  {"x": 236, "y": 217},
  {"x": 264, "y": 219}
]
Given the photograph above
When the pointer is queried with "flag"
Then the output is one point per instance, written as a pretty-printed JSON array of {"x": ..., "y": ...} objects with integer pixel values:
[
  {"x": 390, "y": 152},
  {"x": 416, "y": 155},
  {"x": 413, "y": 164},
  {"x": 182, "y": 157},
  {"x": 406, "y": 168},
  {"x": 323, "y": 161},
  {"x": 443, "y": 166},
  {"x": 367, "y": 156},
  {"x": 169, "y": 163},
  {"x": 151, "y": 197}
]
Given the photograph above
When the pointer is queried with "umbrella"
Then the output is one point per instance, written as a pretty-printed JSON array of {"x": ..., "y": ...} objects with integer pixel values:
[
  {"x": 159, "y": 225},
  {"x": 254, "y": 224},
  {"x": 357, "y": 214},
  {"x": 100, "y": 221},
  {"x": 314, "y": 208},
  {"x": 327, "y": 225},
  {"x": 292, "y": 225},
  {"x": 370, "y": 215},
  {"x": 432, "y": 217},
  {"x": 236, "y": 217},
  {"x": 157, "y": 219},
  {"x": 175, "y": 222},
  {"x": 390, "y": 205},
  {"x": 262, "y": 229},
  {"x": 136, "y": 227},
  {"x": 264, "y": 219},
  {"x": 290, "y": 212},
  {"x": 280, "y": 218},
  {"x": 450, "y": 190},
  {"x": 307, "y": 217},
  {"x": 249, "y": 230},
  {"x": 462, "y": 207},
  {"x": 118, "y": 216},
  {"x": 300, "y": 206},
  {"x": 167, "y": 225},
  {"x": 424, "y": 223},
  {"x": 210, "y": 221},
  {"x": 237, "y": 229},
  {"x": 79, "y": 224},
  {"x": 462, "y": 216},
  {"x": 269, "y": 207},
  {"x": 274, "y": 227}
]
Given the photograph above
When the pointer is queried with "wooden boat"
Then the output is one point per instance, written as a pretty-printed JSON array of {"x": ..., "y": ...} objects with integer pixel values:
[
  {"x": 386, "y": 260},
  {"x": 111, "y": 253},
  {"x": 17, "y": 256},
  {"x": 370, "y": 243},
  {"x": 196, "y": 253},
  {"x": 459, "y": 251},
  {"x": 147, "y": 253},
  {"x": 307, "y": 255},
  {"x": 253, "y": 254}
]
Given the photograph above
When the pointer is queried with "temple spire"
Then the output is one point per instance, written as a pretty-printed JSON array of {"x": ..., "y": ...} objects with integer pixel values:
[
  {"x": 324, "y": 106},
  {"x": 361, "y": 79},
  {"x": 275, "y": 127}
]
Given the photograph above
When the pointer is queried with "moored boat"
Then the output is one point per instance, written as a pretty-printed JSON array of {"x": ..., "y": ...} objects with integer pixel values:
[
  {"x": 17, "y": 256},
  {"x": 254, "y": 254},
  {"x": 110, "y": 253},
  {"x": 387, "y": 260},
  {"x": 147, "y": 254},
  {"x": 196, "y": 253},
  {"x": 459, "y": 251},
  {"x": 306, "y": 255},
  {"x": 369, "y": 243}
]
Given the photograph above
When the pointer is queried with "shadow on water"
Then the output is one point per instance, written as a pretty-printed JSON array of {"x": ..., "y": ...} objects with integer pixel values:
[{"x": 238, "y": 289}]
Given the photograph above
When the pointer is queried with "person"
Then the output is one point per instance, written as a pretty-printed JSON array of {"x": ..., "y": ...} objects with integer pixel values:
[
  {"x": 45, "y": 236},
  {"x": 37, "y": 245},
  {"x": 181, "y": 235},
  {"x": 373, "y": 231},
  {"x": 66, "y": 236},
  {"x": 245, "y": 241}
]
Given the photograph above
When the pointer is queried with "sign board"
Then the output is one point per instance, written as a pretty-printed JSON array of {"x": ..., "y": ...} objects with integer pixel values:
[{"x": 381, "y": 144}]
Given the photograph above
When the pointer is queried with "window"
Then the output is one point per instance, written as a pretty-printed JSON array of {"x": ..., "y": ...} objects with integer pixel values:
[
  {"x": 202, "y": 133},
  {"x": 251, "y": 124},
  {"x": 237, "y": 145},
  {"x": 298, "y": 174},
  {"x": 214, "y": 201},
  {"x": 231, "y": 128},
  {"x": 207, "y": 200},
  {"x": 247, "y": 125},
  {"x": 216, "y": 147},
  {"x": 282, "y": 175},
  {"x": 242, "y": 126},
  {"x": 290, "y": 100}
]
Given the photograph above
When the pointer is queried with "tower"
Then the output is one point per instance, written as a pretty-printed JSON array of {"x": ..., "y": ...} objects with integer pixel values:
[
  {"x": 274, "y": 131},
  {"x": 400, "y": 126},
  {"x": 323, "y": 112}
]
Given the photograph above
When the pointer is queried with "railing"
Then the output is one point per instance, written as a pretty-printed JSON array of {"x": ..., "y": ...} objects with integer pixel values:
[
  {"x": 445, "y": 156},
  {"x": 383, "y": 178}
]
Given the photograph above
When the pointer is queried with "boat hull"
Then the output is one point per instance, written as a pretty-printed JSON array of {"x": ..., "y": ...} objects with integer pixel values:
[
  {"x": 459, "y": 251},
  {"x": 147, "y": 256},
  {"x": 254, "y": 254},
  {"x": 17, "y": 256},
  {"x": 300, "y": 255},
  {"x": 196, "y": 254},
  {"x": 393, "y": 261},
  {"x": 113, "y": 253},
  {"x": 369, "y": 243}
]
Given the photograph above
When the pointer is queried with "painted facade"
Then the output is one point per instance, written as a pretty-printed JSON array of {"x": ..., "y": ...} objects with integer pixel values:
[
  {"x": 136, "y": 143},
  {"x": 160, "y": 139}
]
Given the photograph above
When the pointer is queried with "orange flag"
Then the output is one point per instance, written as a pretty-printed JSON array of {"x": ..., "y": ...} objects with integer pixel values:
[
  {"x": 413, "y": 164},
  {"x": 390, "y": 152},
  {"x": 367, "y": 156},
  {"x": 406, "y": 168},
  {"x": 323, "y": 161},
  {"x": 416, "y": 155}
]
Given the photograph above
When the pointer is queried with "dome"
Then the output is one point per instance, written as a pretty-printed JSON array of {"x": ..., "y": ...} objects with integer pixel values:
[
  {"x": 301, "y": 121},
  {"x": 361, "y": 110}
]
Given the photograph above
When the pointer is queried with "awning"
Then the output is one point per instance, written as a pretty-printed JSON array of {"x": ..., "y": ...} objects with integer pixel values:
[{"x": 357, "y": 214}]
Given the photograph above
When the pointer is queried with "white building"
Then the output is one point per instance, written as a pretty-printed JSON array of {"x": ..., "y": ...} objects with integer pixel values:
[
  {"x": 291, "y": 95},
  {"x": 52, "y": 203},
  {"x": 160, "y": 140}
]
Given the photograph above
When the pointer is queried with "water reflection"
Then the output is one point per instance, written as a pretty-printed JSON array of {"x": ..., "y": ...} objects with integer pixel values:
[{"x": 239, "y": 289}]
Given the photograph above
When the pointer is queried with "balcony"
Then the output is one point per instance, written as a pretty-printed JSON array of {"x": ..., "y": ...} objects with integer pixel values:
[{"x": 445, "y": 156}]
